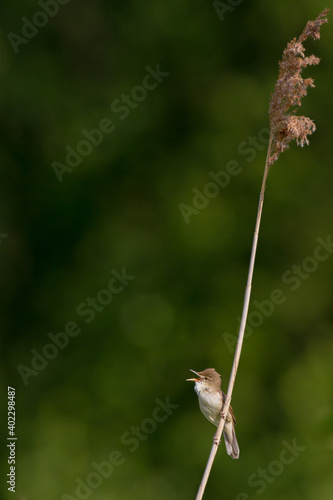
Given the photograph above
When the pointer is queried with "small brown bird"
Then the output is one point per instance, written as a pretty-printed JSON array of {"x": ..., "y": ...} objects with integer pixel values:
[{"x": 211, "y": 399}]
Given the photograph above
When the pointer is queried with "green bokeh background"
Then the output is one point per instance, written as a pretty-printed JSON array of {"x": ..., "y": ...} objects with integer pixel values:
[{"x": 119, "y": 208}]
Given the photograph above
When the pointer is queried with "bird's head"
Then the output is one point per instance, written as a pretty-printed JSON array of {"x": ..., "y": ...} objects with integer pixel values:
[{"x": 206, "y": 380}]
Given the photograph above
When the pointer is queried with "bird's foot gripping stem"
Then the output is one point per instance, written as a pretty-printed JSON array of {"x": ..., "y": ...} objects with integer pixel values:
[{"x": 216, "y": 441}]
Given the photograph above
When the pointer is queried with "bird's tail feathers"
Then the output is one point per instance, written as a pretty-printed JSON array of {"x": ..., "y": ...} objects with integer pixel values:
[{"x": 230, "y": 440}]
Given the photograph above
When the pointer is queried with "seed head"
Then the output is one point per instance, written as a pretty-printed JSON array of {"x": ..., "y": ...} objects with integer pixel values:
[{"x": 289, "y": 91}]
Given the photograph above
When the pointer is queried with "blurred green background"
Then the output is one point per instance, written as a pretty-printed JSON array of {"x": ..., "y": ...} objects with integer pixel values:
[{"x": 96, "y": 399}]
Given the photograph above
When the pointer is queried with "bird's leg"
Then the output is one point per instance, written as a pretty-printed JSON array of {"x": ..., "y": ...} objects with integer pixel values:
[
  {"x": 216, "y": 441},
  {"x": 226, "y": 419}
]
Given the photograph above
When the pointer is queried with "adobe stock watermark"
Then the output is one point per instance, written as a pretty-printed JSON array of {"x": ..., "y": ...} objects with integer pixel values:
[
  {"x": 223, "y": 7},
  {"x": 29, "y": 29},
  {"x": 3, "y": 236},
  {"x": 220, "y": 180},
  {"x": 130, "y": 441},
  {"x": 121, "y": 107},
  {"x": 260, "y": 479},
  {"x": 293, "y": 278},
  {"x": 86, "y": 309}
]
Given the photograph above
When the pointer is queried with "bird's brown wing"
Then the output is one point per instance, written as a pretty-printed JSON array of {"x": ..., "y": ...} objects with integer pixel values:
[{"x": 230, "y": 409}]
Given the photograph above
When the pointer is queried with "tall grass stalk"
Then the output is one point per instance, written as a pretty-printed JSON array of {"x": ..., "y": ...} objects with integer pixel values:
[{"x": 285, "y": 126}]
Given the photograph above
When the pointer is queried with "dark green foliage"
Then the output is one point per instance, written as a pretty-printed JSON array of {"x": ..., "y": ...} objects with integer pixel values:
[{"x": 116, "y": 213}]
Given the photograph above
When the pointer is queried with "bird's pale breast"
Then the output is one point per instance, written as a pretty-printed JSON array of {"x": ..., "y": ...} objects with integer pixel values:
[{"x": 210, "y": 404}]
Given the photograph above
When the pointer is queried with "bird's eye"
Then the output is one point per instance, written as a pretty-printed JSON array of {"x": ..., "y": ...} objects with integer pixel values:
[{"x": 206, "y": 378}]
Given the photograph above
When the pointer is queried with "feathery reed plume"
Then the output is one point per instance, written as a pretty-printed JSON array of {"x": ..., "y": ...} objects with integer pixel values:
[{"x": 289, "y": 90}]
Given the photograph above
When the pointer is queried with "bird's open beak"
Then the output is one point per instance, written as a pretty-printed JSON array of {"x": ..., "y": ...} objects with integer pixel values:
[{"x": 193, "y": 379}]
